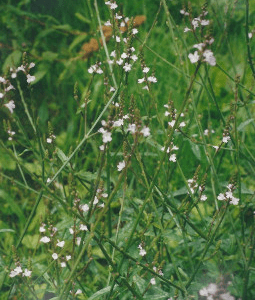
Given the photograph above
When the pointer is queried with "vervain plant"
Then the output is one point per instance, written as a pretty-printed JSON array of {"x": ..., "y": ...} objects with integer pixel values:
[{"x": 152, "y": 196}]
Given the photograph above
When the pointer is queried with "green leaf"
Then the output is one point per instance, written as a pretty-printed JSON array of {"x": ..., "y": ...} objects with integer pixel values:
[
  {"x": 77, "y": 41},
  {"x": 30, "y": 241},
  {"x": 14, "y": 207},
  {"x": 100, "y": 293},
  {"x": 12, "y": 60},
  {"x": 244, "y": 124},
  {"x": 7, "y": 230},
  {"x": 196, "y": 150},
  {"x": 82, "y": 18}
]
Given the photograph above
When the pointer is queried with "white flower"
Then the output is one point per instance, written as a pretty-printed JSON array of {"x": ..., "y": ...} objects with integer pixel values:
[
  {"x": 171, "y": 123},
  {"x": 186, "y": 29},
  {"x": 107, "y": 137},
  {"x": 146, "y": 70},
  {"x": 21, "y": 68},
  {"x": 102, "y": 147},
  {"x": 10, "y": 87},
  {"x": 42, "y": 229},
  {"x": 83, "y": 227},
  {"x": 117, "y": 39},
  {"x": 30, "y": 78},
  {"x": 152, "y": 79},
  {"x": 49, "y": 140},
  {"x": 31, "y": 65},
  {"x": 205, "y": 22},
  {"x": 209, "y": 57},
  {"x": 45, "y": 239},
  {"x": 142, "y": 252},
  {"x": 2, "y": 79},
  {"x": 250, "y": 35},
  {"x": 95, "y": 200},
  {"x": 113, "y": 53},
  {"x": 118, "y": 123},
  {"x": 134, "y": 31},
  {"x": 78, "y": 241},
  {"x": 121, "y": 165},
  {"x": 153, "y": 281},
  {"x": 63, "y": 264},
  {"x": 14, "y": 75},
  {"x": 182, "y": 124},
  {"x": 203, "y": 198},
  {"x": 145, "y": 131},
  {"x": 141, "y": 80},
  {"x": 118, "y": 17},
  {"x": 221, "y": 197},
  {"x": 68, "y": 257},
  {"x": 54, "y": 256},
  {"x": 199, "y": 46},
  {"x": 145, "y": 87},
  {"x": 195, "y": 22},
  {"x": 10, "y": 105},
  {"x": 112, "y": 89},
  {"x": 203, "y": 292},
  {"x": 61, "y": 244},
  {"x": 99, "y": 71},
  {"x": 79, "y": 291},
  {"x": 15, "y": 272},
  {"x": 27, "y": 273},
  {"x": 234, "y": 201},
  {"x": 172, "y": 157},
  {"x": 131, "y": 128},
  {"x": 227, "y": 296},
  {"x": 84, "y": 207},
  {"x": 193, "y": 57},
  {"x": 225, "y": 139},
  {"x": 212, "y": 288},
  {"x": 127, "y": 67},
  {"x": 123, "y": 55},
  {"x": 167, "y": 113},
  {"x": 1, "y": 95},
  {"x": 119, "y": 62},
  {"x": 134, "y": 57}
]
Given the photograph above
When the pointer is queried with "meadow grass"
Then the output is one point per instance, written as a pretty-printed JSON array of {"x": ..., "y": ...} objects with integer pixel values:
[{"x": 127, "y": 173}]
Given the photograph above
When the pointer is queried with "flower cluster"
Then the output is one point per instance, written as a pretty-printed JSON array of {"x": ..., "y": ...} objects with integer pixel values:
[
  {"x": 172, "y": 157},
  {"x": 18, "y": 271},
  {"x": 213, "y": 292},
  {"x": 229, "y": 195},
  {"x": 202, "y": 53}
]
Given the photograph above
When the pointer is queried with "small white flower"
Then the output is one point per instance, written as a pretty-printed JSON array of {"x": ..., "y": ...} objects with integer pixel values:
[
  {"x": 14, "y": 75},
  {"x": 78, "y": 241},
  {"x": 31, "y": 65},
  {"x": 167, "y": 113},
  {"x": 119, "y": 62},
  {"x": 142, "y": 252},
  {"x": 145, "y": 131},
  {"x": 209, "y": 57},
  {"x": 79, "y": 291},
  {"x": 203, "y": 198},
  {"x": 112, "y": 89},
  {"x": 182, "y": 124},
  {"x": 121, "y": 165},
  {"x": 145, "y": 87},
  {"x": 134, "y": 57},
  {"x": 171, "y": 124},
  {"x": 10, "y": 105},
  {"x": 172, "y": 157},
  {"x": 42, "y": 229},
  {"x": 234, "y": 201},
  {"x": 113, "y": 53},
  {"x": 205, "y": 22},
  {"x": 153, "y": 281},
  {"x": 152, "y": 79},
  {"x": 199, "y": 46},
  {"x": 146, "y": 70},
  {"x": 141, "y": 80},
  {"x": 54, "y": 256},
  {"x": 131, "y": 128},
  {"x": 203, "y": 292},
  {"x": 63, "y": 264},
  {"x": 21, "y": 68},
  {"x": 49, "y": 140},
  {"x": 195, "y": 22},
  {"x": 45, "y": 239},
  {"x": 123, "y": 55},
  {"x": 107, "y": 137},
  {"x": 27, "y": 273},
  {"x": 193, "y": 57},
  {"x": 68, "y": 257},
  {"x": 1, "y": 95},
  {"x": 61, "y": 244},
  {"x": 30, "y": 78},
  {"x": 225, "y": 139},
  {"x": 117, "y": 39},
  {"x": 118, "y": 123},
  {"x": 127, "y": 67},
  {"x": 186, "y": 29},
  {"x": 221, "y": 197},
  {"x": 10, "y": 87},
  {"x": 95, "y": 200},
  {"x": 102, "y": 147},
  {"x": 2, "y": 79},
  {"x": 84, "y": 207},
  {"x": 134, "y": 31},
  {"x": 83, "y": 227},
  {"x": 250, "y": 35},
  {"x": 118, "y": 17},
  {"x": 71, "y": 230}
]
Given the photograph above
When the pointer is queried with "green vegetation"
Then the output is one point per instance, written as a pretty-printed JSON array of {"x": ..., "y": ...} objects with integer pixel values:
[{"x": 128, "y": 174}]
